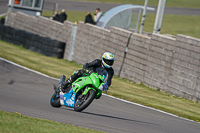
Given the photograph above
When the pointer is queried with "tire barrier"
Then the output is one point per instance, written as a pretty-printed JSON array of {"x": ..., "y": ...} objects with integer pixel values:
[
  {"x": 33, "y": 42},
  {"x": 2, "y": 21}
]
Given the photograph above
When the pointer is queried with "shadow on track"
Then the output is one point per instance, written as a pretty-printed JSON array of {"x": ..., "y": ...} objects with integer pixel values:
[
  {"x": 119, "y": 118},
  {"x": 108, "y": 116}
]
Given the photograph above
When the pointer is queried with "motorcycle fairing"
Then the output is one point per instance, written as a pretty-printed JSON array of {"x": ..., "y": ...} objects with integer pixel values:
[
  {"x": 81, "y": 82},
  {"x": 68, "y": 99}
]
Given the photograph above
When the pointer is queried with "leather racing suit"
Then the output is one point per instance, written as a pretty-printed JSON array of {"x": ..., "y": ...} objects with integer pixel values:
[{"x": 97, "y": 63}]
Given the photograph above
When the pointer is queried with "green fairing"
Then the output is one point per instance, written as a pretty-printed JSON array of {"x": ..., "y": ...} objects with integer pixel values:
[{"x": 87, "y": 83}]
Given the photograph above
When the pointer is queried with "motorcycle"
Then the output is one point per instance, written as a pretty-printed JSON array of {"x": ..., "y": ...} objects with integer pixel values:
[{"x": 81, "y": 92}]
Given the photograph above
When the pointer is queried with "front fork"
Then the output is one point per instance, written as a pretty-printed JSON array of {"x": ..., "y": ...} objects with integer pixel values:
[{"x": 62, "y": 79}]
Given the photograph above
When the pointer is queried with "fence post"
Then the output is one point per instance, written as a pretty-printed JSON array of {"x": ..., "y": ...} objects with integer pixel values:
[
  {"x": 72, "y": 43},
  {"x": 144, "y": 15},
  {"x": 159, "y": 16}
]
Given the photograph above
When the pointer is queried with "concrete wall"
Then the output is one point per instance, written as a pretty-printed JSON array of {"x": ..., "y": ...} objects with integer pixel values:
[
  {"x": 185, "y": 69},
  {"x": 161, "y": 62},
  {"x": 33, "y": 42},
  {"x": 92, "y": 42},
  {"x": 42, "y": 26}
]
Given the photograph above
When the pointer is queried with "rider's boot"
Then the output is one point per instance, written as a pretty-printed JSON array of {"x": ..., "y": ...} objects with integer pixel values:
[
  {"x": 65, "y": 85},
  {"x": 62, "y": 79}
]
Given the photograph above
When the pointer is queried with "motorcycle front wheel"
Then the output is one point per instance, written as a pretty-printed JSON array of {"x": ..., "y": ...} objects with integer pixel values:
[
  {"x": 55, "y": 100},
  {"x": 83, "y": 101}
]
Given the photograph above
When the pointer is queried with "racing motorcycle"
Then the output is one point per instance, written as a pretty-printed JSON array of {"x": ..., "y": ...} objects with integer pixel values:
[{"x": 81, "y": 92}]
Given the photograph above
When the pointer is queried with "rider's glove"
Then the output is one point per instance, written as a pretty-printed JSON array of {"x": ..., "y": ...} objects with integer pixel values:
[
  {"x": 104, "y": 87},
  {"x": 85, "y": 70}
]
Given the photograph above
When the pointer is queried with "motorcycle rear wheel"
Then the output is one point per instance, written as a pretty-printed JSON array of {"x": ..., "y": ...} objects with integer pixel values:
[
  {"x": 55, "y": 100},
  {"x": 83, "y": 101}
]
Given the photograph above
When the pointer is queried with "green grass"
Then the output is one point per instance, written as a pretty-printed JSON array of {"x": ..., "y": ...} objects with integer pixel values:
[
  {"x": 169, "y": 3},
  {"x": 73, "y": 16},
  {"x": 51, "y": 66},
  {"x": 16, "y": 123},
  {"x": 172, "y": 24},
  {"x": 2, "y": 17},
  {"x": 121, "y": 88},
  {"x": 175, "y": 24}
]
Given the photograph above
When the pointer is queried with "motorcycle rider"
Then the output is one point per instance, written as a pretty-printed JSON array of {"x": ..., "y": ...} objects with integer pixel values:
[{"x": 106, "y": 63}]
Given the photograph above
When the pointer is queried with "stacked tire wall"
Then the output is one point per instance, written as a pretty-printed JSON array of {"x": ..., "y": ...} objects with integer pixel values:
[
  {"x": 171, "y": 64},
  {"x": 42, "y": 26},
  {"x": 33, "y": 42}
]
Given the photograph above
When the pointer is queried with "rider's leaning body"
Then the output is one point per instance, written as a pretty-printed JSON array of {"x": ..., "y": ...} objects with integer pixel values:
[{"x": 106, "y": 63}]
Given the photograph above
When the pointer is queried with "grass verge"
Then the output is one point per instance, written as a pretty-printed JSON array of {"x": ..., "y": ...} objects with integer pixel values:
[
  {"x": 16, "y": 123},
  {"x": 121, "y": 88},
  {"x": 172, "y": 24},
  {"x": 169, "y": 3},
  {"x": 175, "y": 24}
]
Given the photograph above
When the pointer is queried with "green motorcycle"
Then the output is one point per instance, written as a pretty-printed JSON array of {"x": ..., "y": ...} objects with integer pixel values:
[{"x": 82, "y": 91}]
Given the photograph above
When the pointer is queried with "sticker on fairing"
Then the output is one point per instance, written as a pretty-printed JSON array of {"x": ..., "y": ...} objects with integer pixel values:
[
  {"x": 96, "y": 76},
  {"x": 69, "y": 98},
  {"x": 73, "y": 96},
  {"x": 69, "y": 102},
  {"x": 61, "y": 96}
]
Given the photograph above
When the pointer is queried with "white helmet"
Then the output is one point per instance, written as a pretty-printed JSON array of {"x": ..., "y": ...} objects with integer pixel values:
[{"x": 108, "y": 59}]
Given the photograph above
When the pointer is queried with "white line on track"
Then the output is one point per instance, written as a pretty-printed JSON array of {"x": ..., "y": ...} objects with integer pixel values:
[
  {"x": 103, "y": 93},
  {"x": 2, "y": 14}
]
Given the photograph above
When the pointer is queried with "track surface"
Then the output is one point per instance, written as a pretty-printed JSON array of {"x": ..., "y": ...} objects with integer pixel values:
[
  {"x": 29, "y": 93},
  {"x": 91, "y": 6}
]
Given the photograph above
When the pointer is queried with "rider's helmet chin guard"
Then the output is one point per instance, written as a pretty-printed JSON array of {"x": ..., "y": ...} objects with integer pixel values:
[{"x": 108, "y": 59}]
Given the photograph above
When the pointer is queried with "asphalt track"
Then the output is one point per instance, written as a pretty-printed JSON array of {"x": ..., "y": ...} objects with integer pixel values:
[
  {"x": 29, "y": 93},
  {"x": 91, "y": 6}
]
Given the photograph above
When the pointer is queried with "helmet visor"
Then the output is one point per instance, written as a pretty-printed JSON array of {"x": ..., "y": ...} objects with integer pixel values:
[{"x": 109, "y": 62}]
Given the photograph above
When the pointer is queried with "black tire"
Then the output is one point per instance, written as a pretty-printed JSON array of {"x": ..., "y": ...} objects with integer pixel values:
[
  {"x": 59, "y": 55},
  {"x": 57, "y": 44},
  {"x": 88, "y": 100},
  {"x": 55, "y": 101}
]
